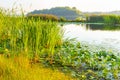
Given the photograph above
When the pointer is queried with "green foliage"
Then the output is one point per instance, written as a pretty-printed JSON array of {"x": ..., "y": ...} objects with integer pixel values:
[
  {"x": 22, "y": 43},
  {"x": 107, "y": 19},
  {"x": 112, "y": 19},
  {"x": 62, "y": 19},
  {"x": 43, "y": 17},
  {"x": 95, "y": 18},
  {"x": 34, "y": 37},
  {"x": 86, "y": 65},
  {"x": 80, "y": 19}
]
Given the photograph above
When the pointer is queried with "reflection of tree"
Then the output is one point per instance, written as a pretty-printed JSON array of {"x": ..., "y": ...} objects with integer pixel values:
[
  {"x": 87, "y": 26},
  {"x": 108, "y": 27},
  {"x": 102, "y": 27},
  {"x": 96, "y": 27}
]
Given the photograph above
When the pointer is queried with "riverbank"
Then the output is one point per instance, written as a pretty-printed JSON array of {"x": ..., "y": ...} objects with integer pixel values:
[
  {"x": 20, "y": 68},
  {"x": 35, "y": 48}
]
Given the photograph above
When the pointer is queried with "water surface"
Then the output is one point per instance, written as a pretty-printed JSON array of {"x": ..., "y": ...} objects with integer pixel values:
[{"x": 105, "y": 36}]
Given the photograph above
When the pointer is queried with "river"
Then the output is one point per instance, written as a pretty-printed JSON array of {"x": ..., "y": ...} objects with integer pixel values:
[{"x": 102, "y": 36}]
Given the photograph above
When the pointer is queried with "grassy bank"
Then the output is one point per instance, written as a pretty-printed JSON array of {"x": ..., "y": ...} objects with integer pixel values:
[
  {"x": 19, "y": 68},
  {"x": 22, "y": 43},
  {"x": 27, "y": 45}
]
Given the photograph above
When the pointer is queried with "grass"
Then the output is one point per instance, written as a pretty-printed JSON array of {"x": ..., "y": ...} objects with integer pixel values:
[
  {"x": 35, "y": 37},
  {"x": 19, "y": 68}
]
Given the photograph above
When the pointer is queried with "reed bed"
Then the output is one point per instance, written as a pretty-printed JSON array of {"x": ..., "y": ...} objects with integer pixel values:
[{"x": 31, "y": 36}]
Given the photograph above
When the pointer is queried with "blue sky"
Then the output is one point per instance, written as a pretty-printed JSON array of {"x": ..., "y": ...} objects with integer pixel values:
[{"x": 82, "y": 5}]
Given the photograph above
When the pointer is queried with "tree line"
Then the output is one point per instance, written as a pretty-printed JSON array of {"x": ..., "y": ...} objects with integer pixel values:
[{"x": 107, "y": 19}]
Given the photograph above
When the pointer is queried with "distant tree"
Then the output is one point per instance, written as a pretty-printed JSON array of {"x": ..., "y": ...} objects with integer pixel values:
[
  {"x": 43, "y": 17},
  {"x": 95, "y": 18},
  {"x": 62, "y": 19},
  {"x": 74, "y": 8},
  {"x": 112, "y": 19},
  {"x": 107, "y": 19},
  {"x": 78, "y": 19}
]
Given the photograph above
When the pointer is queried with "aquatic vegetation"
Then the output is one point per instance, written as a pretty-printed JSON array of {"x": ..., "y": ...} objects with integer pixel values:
[{"x": 85, "y": 64}]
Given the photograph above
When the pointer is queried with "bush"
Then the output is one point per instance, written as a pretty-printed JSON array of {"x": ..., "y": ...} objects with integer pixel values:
[
  {"x": 43, "y": 17},
  {"x": 62, "y": 19}
]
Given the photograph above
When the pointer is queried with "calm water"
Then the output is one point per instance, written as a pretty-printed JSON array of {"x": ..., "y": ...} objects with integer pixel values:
[{"x": 107, "y": 37}]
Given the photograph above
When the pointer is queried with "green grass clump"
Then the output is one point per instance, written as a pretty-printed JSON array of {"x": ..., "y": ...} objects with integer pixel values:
[{"x": 34, "y": 37}]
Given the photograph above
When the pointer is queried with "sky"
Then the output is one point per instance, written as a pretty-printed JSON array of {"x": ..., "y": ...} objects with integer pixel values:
[{"x": 82, "y": 5}]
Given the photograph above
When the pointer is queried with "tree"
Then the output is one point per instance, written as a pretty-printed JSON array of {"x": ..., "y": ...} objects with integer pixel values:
[
  {"x": 74, "y": 8},
  {"x": 62, "y": 19}
]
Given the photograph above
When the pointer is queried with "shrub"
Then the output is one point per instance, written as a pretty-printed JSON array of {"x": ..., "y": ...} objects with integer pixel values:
[{"x": 43, "y": 17}]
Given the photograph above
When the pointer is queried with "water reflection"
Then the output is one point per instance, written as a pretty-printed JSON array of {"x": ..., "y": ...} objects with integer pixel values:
[
  {"x": 98, "y": 34},
  {"x": 102, "y": 27}
]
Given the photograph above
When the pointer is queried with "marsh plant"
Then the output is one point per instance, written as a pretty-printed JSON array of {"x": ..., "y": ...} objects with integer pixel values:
[
  {"x": 23, "y": 42},
  {"x": 33, "y": 37},
  {"x": 84, "y": 64}
]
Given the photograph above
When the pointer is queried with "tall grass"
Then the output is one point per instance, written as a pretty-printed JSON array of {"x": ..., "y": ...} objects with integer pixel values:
[
  {"x": 33, "y": 37},
  {"x": 19, "y": 68}
]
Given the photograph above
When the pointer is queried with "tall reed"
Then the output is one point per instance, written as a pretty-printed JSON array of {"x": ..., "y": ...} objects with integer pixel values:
[{"x": 33, "y": 37}]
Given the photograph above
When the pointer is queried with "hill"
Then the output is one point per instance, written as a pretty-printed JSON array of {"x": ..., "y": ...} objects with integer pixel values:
[{"x": 66, "y": 12}]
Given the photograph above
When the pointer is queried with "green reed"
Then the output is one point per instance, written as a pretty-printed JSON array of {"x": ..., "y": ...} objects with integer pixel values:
[{"x": 33, "y": 37}]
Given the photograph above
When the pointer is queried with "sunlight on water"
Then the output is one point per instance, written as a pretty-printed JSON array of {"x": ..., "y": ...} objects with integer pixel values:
[{"x": 106, "y": 38}]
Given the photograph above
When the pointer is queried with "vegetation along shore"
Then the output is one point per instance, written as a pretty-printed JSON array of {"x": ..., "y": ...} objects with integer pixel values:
[{"x": 32, "y": 48}]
